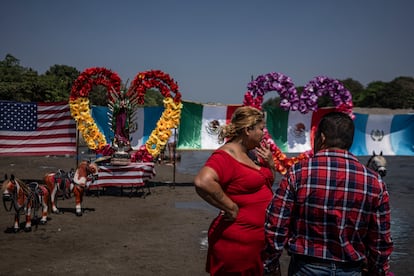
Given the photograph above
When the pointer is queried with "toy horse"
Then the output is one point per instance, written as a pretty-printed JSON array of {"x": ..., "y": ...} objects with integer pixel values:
[
  {"x": 59, "y": 186},
  {"x": 25, "y": 199},
  {"x": 378, "y": 163},
  {"x": 63, "y": 184}
]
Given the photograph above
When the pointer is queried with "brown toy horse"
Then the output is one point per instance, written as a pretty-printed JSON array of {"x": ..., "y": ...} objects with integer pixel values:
[
  {"x": 75, "y": 182},
  {"x": 25, "y": 199}
]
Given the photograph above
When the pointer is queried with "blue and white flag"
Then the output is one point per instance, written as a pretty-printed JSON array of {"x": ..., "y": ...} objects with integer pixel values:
[{"x": 391, "y": 134}]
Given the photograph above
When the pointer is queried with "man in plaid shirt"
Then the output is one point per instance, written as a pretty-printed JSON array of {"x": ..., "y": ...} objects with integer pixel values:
[{"x": 330, "y": 212}]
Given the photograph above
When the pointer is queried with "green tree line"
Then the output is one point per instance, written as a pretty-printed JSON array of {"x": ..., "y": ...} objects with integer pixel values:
[{"x": 18, "y": 83}]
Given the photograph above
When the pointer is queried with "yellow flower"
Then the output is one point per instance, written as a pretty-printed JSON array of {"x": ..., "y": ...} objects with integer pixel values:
[
  {"x": 170, "y": 118},
  {"x": 80, "y": 111}
]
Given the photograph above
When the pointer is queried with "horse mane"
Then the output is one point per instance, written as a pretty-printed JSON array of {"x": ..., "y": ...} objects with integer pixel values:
[
  {"x": 3, "y": 185},
  {"x": 370, "y": 159},
  {"x": 95, "y": 166},
  {"x": 22, "y": 184},
  {"x": 85, "y": 164}
]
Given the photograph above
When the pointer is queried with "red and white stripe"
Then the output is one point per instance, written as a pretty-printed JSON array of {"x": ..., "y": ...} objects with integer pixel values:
[
  {"x": 55, "y": 134},
  {"x": 132, "y": 175}
]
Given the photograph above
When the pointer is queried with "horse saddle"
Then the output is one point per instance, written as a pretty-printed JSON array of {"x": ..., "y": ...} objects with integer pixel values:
[
  {"x": 60, "y": 179},
  {"x": 34, "y": 187}
]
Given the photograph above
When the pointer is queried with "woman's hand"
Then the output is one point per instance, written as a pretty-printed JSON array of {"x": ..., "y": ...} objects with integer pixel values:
[
  {"x": 266, "y": 155},
  {"x": 231, "y": 214}
]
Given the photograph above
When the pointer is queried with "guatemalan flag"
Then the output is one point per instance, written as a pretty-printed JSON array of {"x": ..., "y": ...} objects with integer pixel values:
[
  {"x": 141, "y": 126},
  {"x": 391, "y": 134},
  {"x": 144, "y": 122}
]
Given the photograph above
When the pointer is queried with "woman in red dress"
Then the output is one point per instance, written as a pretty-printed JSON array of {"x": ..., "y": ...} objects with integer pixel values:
[{"x": 241, "y": 189}]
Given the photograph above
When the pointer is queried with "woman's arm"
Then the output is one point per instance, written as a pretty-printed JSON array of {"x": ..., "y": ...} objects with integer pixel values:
[{"x": 208, "y": 188}]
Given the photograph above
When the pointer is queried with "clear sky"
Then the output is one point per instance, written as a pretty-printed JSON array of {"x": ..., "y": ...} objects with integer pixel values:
[{"x": 213, "y": 48}]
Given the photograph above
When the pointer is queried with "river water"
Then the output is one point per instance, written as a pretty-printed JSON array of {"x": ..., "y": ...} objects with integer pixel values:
[{"x": 399, "y": 180}]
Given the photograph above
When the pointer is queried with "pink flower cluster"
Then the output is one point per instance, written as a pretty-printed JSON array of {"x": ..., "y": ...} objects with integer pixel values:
[
  {"x": 289, "y": 97},
  {"x": 278, "y": 82},
  {"x": 324, "y": 86}
]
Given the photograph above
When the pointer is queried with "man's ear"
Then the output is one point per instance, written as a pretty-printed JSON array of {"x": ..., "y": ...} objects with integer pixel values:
[{"x": 323, "y": 137}]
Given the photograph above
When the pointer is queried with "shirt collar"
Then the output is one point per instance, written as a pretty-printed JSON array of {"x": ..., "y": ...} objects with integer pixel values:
[{"x": 336, "y": 153}]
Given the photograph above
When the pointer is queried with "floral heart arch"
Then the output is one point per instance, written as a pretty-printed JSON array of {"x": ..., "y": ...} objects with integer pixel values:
[
  {"x": 170, "y": 118},
  {"x": 291, "y": 101}
]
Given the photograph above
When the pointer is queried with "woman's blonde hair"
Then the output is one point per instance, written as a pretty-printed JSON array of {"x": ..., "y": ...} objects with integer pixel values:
[{"x": 245, "y": 116}]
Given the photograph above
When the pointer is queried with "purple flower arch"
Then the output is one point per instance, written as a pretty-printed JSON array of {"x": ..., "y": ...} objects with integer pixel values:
[
  {"x": 283, "y": 85},
  {"x": 290, "y": 101},
  {"x": 325, "y": 86}
]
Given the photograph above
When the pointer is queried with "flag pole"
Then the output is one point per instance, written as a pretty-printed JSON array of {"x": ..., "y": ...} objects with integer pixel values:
[
  {"x": 174, "y": 152},
  {"x": 77, "y": 147}
]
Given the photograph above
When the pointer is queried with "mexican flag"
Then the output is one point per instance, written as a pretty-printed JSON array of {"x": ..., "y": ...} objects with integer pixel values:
[
  {"x": 199, "y": 125},
  {"x": 293, "y": 132}
]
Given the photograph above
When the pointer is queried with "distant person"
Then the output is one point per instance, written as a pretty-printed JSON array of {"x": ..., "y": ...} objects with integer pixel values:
[
  {"x": 171, "y": 144},
  {"x": 330, "y": 212},
  {"x": 241, "y": 190}
]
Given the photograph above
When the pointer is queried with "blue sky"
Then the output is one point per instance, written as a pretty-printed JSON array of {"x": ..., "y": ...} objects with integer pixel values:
[{"x": 213, "y": 48}]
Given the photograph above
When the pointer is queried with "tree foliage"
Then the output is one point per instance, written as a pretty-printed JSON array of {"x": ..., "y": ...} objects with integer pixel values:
[
  {"x": 398, "y": 93},
  {"x": 18, "y": 83},
  {"x": 21, "y": 84}
]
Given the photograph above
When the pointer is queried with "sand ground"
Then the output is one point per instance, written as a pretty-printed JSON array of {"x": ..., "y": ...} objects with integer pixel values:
[{"x": 129, "y": 234}]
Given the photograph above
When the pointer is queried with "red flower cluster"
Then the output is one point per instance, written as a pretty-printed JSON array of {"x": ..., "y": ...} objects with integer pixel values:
[
  {"x": 282, "y": 162},
  {"x": 142, "y": 155},
  {"x": 154, "y": 79},
  {"x": 95, "y": 76},
  {"x": 251, "y": 100}
]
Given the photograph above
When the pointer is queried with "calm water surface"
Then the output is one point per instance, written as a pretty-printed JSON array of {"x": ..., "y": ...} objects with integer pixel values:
[{"x": 400, "y": 184}]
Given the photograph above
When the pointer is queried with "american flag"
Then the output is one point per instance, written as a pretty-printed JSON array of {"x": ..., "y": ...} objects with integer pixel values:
[
  {"x": 132, "y": 175},
  {"x": 36, "y": 129}
]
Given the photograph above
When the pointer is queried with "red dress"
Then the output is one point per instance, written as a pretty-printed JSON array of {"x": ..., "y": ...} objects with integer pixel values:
[{"x": 235, "y": 247}]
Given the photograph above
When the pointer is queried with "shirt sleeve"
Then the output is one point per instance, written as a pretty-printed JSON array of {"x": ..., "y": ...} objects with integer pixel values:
[
  {"x": 221, "y": 163},
  {"x": 380, "y": 244},
  {"x": 277, "y": 222}
]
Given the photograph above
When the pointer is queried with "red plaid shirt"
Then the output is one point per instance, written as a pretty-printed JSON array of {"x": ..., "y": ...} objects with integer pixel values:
[{"x": 331, "y": 207}]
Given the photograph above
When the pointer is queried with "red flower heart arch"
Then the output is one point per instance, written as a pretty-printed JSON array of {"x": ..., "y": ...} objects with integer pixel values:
[{"x": 170, "y": 118}]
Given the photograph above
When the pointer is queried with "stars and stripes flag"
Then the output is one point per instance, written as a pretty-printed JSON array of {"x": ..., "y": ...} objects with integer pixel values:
[
  {"x": 36, "y": 129},
  {"x": 132, "y": 175}
]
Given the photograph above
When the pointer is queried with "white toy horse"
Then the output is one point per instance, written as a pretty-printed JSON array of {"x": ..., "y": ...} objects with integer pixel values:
[{"x": 378, "y": 163}]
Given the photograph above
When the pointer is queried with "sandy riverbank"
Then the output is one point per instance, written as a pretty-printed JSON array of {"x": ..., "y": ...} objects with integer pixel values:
[{"x": 159, "y": 234}]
